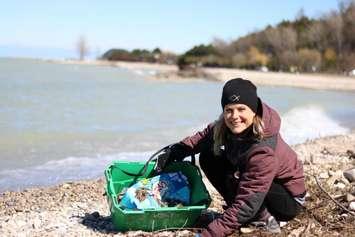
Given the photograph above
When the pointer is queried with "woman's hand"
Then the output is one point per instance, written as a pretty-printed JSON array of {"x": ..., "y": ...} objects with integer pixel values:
[{"x": 176, "y": 152}]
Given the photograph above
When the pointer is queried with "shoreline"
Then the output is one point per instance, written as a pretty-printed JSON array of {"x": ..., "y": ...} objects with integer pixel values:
[
  {"x": 315, "y": 81},
  {"x": 79, "y": 207}
]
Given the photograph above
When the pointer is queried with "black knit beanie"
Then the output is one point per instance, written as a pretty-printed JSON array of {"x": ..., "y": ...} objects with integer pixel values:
[{"x": 240, "y": 91}]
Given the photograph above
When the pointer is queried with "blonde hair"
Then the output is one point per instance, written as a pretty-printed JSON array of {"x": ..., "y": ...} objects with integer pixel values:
[{"x": 220, "y": 132}]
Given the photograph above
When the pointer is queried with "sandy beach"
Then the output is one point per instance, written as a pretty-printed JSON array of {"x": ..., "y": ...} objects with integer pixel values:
[
  {"x": 170, "y": 72},
  {"x": 80, "y": 209}
]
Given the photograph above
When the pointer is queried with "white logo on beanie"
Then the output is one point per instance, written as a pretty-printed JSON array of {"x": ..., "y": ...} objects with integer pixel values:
[{"x": 234, "y": 98}]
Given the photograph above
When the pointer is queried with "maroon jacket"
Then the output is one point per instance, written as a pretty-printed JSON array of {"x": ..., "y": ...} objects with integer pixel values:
[{"x": 259, "y": 163}]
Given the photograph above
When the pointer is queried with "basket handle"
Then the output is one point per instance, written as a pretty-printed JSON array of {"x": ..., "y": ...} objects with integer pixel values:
[
  {"x": 151, "y": 158},
  {"x": 144, "y": 168},
  {"x": 193, "y": 159}
]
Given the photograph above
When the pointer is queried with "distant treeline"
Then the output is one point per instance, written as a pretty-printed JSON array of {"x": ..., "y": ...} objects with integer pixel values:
[
  {"x": 140, "y": 55},
  {"x": 303, "y": 45}
]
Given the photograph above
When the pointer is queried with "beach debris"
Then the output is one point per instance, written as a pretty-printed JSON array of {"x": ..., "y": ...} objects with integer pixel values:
[
  {"x": 141, "y": 194},
  {"x": 332, "y": 198},
  {"x": 166, "y": 189}
]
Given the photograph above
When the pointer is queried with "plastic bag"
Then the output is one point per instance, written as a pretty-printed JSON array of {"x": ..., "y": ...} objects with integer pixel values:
[{"x": 167, "y": 189}]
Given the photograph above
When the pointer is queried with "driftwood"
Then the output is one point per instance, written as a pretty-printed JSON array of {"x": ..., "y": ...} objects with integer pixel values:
[{"x": 331, "y": 198}]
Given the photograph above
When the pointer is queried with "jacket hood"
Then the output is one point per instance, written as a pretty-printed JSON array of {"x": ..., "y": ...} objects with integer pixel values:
[{"x": 271, "y": 120}]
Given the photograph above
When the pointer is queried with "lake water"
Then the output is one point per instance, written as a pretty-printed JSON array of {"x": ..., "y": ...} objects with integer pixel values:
[{"x": 68, "y": 122}]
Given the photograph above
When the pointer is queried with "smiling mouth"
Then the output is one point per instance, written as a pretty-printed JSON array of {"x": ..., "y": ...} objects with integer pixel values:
[{"x": 236, "y": 124}]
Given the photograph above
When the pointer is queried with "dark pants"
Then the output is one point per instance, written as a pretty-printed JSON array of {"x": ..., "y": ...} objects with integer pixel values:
[{"x": 219, "y": 171}]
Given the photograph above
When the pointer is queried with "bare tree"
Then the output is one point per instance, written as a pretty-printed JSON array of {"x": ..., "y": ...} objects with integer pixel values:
[
  {"x": 281, "y": 39},
  {"x": 82, "y": 48},
  {"x": 243, "y": 44},
  {"x": 335, "y": 24},
  {"x": 223, "y": 47},
  {"x": 349, "y": 24},
  {"x": 316, "y": 35},
  {"x": 283, "y": 42}
]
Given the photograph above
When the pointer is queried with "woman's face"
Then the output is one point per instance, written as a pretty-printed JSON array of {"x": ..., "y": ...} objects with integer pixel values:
[{"x": 238, "y": 117}]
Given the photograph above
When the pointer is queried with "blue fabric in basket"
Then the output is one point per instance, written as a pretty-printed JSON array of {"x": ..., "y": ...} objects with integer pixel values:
[{"x": 167, "y": 189}]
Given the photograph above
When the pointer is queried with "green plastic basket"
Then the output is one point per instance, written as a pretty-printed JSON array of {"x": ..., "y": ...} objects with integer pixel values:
[{"x": 117, "y": 178}]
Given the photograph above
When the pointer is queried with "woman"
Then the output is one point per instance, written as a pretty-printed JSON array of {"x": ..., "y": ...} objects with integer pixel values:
[{"x": 247, "y": 161}]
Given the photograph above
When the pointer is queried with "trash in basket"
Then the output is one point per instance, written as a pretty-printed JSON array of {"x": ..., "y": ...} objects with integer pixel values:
[
  {"x": 118, "y": 179},
  {"x": 164, "y": 190}
]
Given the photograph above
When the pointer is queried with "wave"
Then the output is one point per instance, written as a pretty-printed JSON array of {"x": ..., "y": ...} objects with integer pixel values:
[
  {"x": 144, "y": 72},
  {"x": 303, "y": 123},
  {"x": 68, "y": 169}
]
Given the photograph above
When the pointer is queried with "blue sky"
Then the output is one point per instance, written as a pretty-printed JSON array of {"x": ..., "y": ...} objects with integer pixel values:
[{"x": 50, "y": 29}]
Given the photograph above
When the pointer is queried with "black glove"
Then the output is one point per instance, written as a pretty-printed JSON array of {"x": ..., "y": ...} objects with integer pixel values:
[{"x": 176, "y": 152}]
